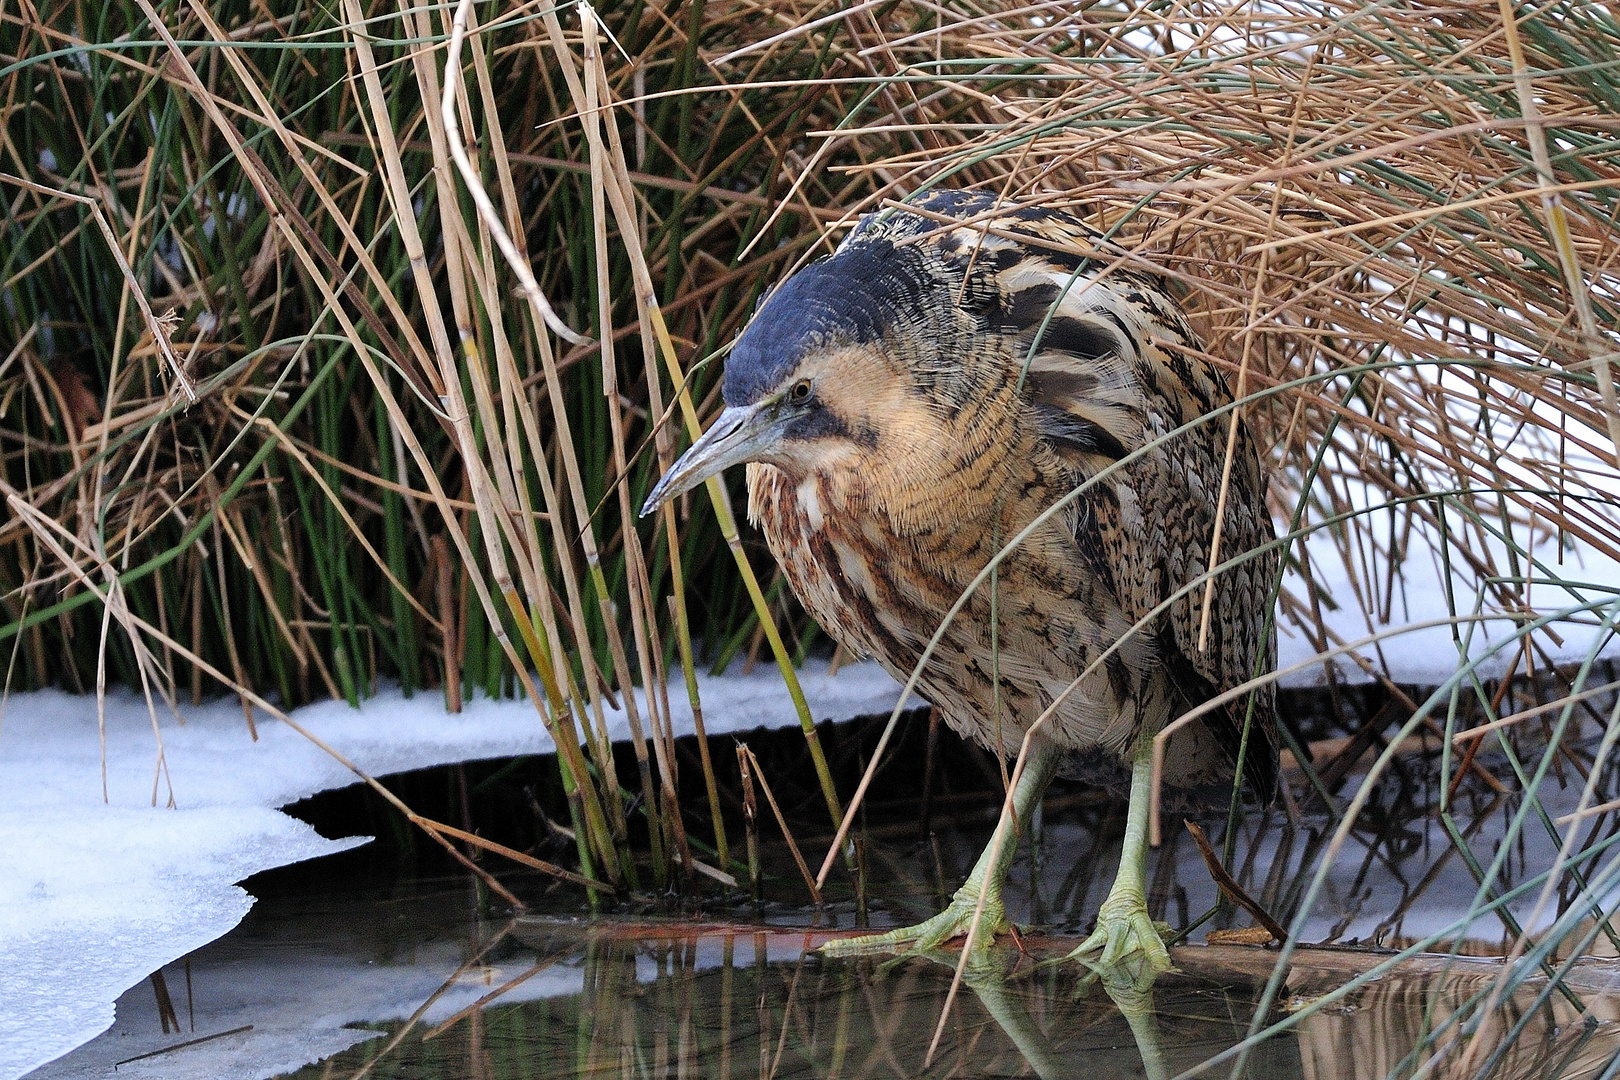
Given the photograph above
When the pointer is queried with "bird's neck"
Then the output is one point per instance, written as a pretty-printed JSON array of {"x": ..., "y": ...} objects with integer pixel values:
[{"x": 974, "y": 473}]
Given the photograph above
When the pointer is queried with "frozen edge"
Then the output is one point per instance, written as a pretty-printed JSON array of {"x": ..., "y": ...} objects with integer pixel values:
[
  {"x": 106, "y": 892},
  {"x": 113, "y": 891}
]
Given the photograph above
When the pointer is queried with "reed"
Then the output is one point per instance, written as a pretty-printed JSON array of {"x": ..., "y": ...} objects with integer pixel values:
[
  {"x": 395, "y": 467},
  {"x": 446, "y": 322}
]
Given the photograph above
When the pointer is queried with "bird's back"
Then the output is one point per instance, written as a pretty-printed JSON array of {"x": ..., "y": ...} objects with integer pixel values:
[{"x": 1033, "y": 365}]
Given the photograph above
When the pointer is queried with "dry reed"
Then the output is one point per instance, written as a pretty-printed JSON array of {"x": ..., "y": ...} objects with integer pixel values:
[{"x": 1394, "y": 225}]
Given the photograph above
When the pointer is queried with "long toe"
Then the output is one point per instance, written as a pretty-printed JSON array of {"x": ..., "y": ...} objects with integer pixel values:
[
  {"x": 930, "y": 934},
  {"x": 1135, "y": 948}
]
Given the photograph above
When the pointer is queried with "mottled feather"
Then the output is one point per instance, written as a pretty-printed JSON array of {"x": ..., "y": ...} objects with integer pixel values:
[{"x": 973, "y": 375}]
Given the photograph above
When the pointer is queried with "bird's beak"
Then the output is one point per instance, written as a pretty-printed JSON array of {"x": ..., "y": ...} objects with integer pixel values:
[{"x": 739, "y": 434}]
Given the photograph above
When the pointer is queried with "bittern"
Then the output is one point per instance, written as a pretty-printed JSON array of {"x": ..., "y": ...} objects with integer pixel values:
[{"x": 912, "y": 403}]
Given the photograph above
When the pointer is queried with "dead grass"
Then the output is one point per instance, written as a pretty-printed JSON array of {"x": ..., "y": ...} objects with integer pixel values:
[{"x": 440, "y": 353}]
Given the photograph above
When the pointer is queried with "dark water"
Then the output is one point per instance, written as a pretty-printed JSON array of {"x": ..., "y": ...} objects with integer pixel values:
[
  {"x": 367, "y": 972},
  {"x": 427, "y": 979}
]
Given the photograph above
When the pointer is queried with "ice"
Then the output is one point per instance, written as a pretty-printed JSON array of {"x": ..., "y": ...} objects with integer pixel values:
[
  {"x": 98, "y": 897},
  {"x": 386, "y": 961},
  {"x": 98, "y": 894},
  {"x": 338, "y": 991}
]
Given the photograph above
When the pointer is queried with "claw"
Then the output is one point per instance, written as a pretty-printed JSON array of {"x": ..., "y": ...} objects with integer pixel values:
[
  {"x": 930, "y": 934},
  {"x": 1127, "y": 942}
]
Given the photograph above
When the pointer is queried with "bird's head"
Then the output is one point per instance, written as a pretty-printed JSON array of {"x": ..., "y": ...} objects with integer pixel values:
[{"x": 825, "y": 370}]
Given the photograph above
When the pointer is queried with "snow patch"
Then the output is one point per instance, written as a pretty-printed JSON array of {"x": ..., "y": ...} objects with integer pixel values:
[{"x": 99, "y": 894}]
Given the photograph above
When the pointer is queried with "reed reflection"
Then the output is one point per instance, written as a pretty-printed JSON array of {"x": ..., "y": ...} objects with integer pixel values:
[{"x": 725, "y": 1002}]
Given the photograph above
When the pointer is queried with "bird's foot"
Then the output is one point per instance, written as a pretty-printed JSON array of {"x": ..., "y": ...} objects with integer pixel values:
[
  {"x": 930, "y": 934},
  {"x": 1127, "y": 945}
]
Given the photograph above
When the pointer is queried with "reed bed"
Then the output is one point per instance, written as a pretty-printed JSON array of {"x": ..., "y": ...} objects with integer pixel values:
[{"x": 449, "y": 286}]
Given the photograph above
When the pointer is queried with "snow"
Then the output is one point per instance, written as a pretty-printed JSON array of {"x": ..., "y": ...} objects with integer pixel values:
[
  {"x": 1495, "y": 440},
  {"x": 98, "y": 894},
  {"x": 1426, "y": 655}
]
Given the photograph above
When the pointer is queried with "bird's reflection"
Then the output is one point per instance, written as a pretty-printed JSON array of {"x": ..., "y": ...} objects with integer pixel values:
[{"x": 732, "y": 1002}]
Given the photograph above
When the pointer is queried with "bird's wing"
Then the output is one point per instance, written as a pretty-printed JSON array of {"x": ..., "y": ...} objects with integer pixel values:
[{"x": 1110, "y": 365}]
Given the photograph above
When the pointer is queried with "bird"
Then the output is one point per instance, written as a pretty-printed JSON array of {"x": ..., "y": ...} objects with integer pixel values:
[{"x": 964, "y": 371}]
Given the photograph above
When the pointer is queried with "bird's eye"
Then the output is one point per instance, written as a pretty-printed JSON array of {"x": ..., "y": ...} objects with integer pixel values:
[{"x": 799, "y": 393}]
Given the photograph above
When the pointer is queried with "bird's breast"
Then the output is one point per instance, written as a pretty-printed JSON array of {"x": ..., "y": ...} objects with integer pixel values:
[
  {"x": 864, "y": 583},
  {"x": 882, "y": 586}
]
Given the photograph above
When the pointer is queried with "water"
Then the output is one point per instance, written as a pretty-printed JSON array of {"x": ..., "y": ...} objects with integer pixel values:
[
  {"x": 424, "y": 978},
  {"x": 368, "y": 972}
]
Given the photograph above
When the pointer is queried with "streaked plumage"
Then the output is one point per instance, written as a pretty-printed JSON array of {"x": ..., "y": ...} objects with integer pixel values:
[{"x": 918, "y": 398}]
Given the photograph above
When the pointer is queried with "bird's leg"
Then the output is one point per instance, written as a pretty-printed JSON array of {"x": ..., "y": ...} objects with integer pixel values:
[
  {"x": 1126, "y": 940},
  {"x": 988, "y": 875}
]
